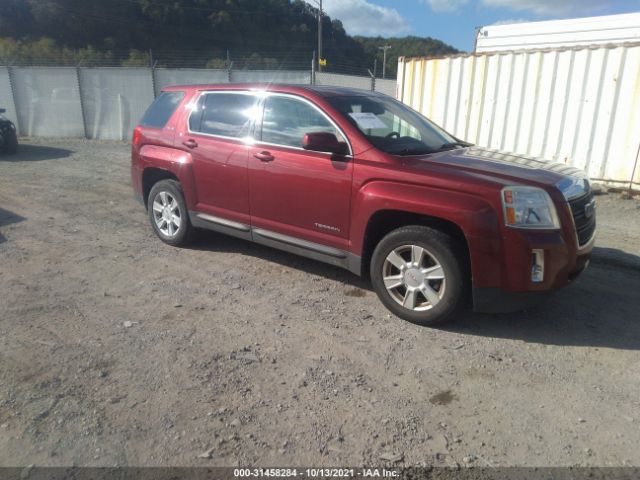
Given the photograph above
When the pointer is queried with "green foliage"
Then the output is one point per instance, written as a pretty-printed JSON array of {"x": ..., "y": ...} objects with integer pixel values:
[
  {"x": 45, "y": 51},
  {"x": 217, "y": 63},
  {"x": 137, "y": 59},
  {"x": 9, "y": 49},
  {"x": 259, "y": 34}
]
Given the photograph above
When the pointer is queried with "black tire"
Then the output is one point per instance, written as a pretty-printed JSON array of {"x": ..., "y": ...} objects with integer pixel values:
[
  {"x": 181, "y": 235},
  {"x": 439, "y": 248},
  {"x": 11, "y": 146}
]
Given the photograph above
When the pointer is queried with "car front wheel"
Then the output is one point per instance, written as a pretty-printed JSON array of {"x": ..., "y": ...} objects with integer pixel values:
[{"x": 417, "y": 272}]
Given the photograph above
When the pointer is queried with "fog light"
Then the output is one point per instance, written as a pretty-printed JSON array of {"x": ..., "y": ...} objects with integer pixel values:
[{"x": 537, "y": 265}]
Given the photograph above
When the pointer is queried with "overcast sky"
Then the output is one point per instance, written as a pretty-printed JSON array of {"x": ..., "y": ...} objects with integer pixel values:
[{"x": 454, "y": 21}]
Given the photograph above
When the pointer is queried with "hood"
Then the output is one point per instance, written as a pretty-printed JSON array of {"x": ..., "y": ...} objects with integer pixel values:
[{"x": 506, "y": 168}]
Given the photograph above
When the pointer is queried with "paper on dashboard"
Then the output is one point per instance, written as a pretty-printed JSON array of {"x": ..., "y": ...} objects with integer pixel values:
[{"x": 367, "y": 120}]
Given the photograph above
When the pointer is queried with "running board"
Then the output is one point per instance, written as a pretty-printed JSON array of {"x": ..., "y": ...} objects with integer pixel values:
[
  {"x": 224, "y": 222},
  {"x": 297, "y": 242},
  {"x": 298, "y": 246}
]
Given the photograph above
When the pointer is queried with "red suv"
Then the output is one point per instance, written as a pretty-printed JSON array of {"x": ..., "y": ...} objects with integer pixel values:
[{"x": 359, "y": 180}]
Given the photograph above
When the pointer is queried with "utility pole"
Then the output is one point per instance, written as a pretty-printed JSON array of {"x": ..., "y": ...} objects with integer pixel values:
[
  {"x": 384, "y": 59},
  {"x": 320, "y": 57}
]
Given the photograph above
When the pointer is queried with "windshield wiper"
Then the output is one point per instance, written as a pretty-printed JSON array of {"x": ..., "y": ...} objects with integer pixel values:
[
  {"x": 413, "y": 151},
  {"x": 452, "y": 145},
  {"x": 426, "y": 151}
]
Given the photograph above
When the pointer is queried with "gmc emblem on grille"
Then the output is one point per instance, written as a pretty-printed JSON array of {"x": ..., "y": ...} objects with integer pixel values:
[{"x": 589, "y": 209}]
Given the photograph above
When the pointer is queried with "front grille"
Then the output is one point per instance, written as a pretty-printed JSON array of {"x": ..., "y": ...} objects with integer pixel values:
[{"x": 585, "y": 225}]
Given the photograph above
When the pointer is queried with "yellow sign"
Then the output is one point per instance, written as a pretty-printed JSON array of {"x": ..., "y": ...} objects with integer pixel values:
[{"x": 323, "y": 62}]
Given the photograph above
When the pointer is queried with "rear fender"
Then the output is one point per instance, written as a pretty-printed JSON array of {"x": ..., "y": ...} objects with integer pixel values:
[{"x": 177, "y": 162}]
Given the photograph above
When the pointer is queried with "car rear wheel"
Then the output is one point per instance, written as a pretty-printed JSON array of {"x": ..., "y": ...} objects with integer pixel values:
[
  {"x": 417, "y": 272},
  {"x": 168, "y": 213}
]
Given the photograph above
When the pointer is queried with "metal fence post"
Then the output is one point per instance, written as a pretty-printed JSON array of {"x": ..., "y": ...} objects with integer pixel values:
[
  {"x": 153, "y": 79},
  {"x": 15, "y": 98},
  {"x": 313, "y": 69},
  {"x": 84, "y": 116},
  {"x": 373, "y": 80},
  {"x": 230, "y": 72}
]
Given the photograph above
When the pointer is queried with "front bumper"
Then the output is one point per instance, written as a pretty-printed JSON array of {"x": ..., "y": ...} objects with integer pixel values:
[{"x": 563, "y": 263}]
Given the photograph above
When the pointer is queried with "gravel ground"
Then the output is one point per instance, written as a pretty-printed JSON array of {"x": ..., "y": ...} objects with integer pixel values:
[{"x": 116, "y": 349}]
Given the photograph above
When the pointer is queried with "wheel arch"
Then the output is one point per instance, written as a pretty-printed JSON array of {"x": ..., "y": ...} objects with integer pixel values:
[
  {"x": 151, "y": 176},
  {"x": 382, "y": 222}
]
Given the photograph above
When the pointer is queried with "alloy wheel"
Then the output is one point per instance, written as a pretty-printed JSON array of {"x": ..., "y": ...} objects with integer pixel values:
[
  {"x": 414, "y": 277},
  {"x": 166, "y": 214}
]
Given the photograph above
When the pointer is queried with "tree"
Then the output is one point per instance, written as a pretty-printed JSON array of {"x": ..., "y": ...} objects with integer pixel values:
[{"x": 193, "y": 33}]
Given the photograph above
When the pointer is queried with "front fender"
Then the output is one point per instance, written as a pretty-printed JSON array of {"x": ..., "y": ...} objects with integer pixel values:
[{"x": 474, "y": 215}]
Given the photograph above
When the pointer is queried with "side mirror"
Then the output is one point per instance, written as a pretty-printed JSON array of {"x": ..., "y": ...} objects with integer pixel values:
[{"x": 323, "y": 142}]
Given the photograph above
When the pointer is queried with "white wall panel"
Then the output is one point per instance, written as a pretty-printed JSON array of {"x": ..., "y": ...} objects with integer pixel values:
[
  {"x": 48, "y": 101},
  {"x": 114, "y": 100},
  {"x": 388, "y": 87},
  {"x": 338, "y": 80},
  {"x": 576, "y": 106},
  {"x": 188, "y": 76},
  {"x": 299, "y": 77},
  {"x": 106, "y": 103}
]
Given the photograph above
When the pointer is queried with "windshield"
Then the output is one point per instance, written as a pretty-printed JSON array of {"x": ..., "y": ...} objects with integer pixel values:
[{"x": 392, "y": 126}]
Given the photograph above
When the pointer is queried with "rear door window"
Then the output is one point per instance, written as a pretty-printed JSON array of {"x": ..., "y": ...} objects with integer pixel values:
[
  {"x": 160, "y": 111},
  {"x": 224, "y": 114}
]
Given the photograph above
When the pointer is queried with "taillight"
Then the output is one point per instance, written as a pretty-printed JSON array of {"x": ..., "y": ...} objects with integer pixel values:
[{"x": 137, "y": 136}]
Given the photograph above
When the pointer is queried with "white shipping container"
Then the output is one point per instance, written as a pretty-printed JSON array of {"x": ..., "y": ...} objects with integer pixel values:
[
  {"x": 609, "y": 29},
  {"x": 577, "y": 106}
]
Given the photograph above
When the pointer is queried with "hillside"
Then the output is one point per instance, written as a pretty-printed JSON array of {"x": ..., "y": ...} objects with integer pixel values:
[{"x": 194, "y": 33}]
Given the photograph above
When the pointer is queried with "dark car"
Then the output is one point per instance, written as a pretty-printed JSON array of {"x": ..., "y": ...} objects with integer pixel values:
[
  {"x": 359, "y": 180},
  {"x": 8, "y": 135}
]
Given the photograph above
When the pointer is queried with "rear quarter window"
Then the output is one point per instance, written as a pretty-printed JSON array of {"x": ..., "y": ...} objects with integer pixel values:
[{"x": 160, "y": 111}]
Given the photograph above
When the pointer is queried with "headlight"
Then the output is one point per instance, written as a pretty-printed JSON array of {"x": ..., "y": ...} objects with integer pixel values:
[{"x": 529, "y": 207}]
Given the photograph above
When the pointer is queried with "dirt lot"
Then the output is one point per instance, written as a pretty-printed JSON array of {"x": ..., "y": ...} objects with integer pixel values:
[{"x": 116, "y": 349}]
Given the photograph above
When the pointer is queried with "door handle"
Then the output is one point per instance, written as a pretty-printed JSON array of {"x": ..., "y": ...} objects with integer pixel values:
[
  {"x": 190, "y": 143},
  {"x": 264, "y": 156}
]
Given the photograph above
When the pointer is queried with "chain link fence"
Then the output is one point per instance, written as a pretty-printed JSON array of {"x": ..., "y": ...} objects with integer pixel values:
[{"x": 107, "y": 102}]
